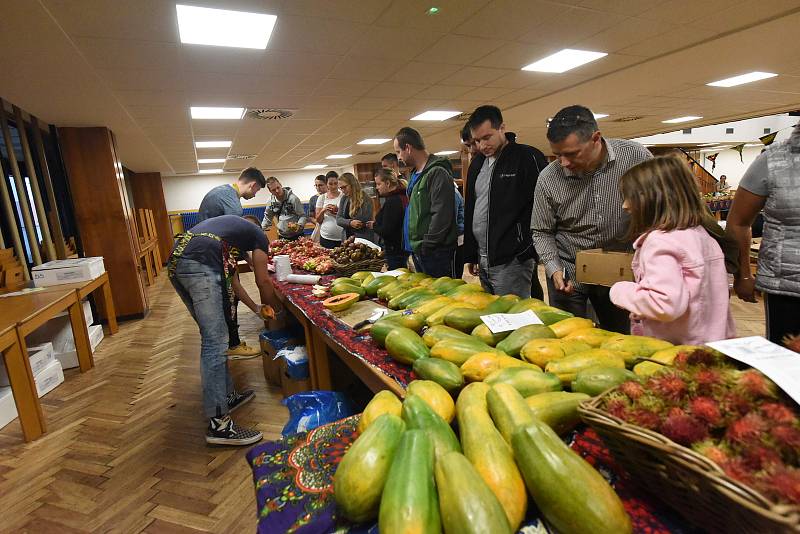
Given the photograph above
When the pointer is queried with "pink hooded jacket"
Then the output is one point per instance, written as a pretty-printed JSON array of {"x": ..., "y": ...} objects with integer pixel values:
[{"x": 681, "y": 290}]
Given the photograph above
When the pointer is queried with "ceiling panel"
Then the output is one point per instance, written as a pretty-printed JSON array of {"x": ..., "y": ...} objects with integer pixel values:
[
  {"x": 129, "y": 54},
  {"x": 510, "y": 19},
  {"x": 458, "y": 49}
]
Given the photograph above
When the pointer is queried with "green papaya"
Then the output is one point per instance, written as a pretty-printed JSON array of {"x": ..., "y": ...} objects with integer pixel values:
[
  {"x": 444, "y": 373},
  {"x": 501, "y": 305},
  {"x": 517, "y": 339},
  {"x": 525, "y": 380},
  {"x": 595, "y": 380},
  {"x": 464, "y": 288},
  {"x": 483, "y": 333},
  {"x": 464, "y": 319},
  {"x": 418, "y": 414},
  {"x": 459, "y": 350},
  {"x": 434, "y": 334},
  {"x": 557, "y": 409},
  {"x": 405, "y": 345},
  {"x": 388, "y": 292},
  {"x": 636, "y": 346},
  {"x": 375, "y": 284},
  {"x": 508, "y": 409},
  {"x": 527, "y": 304},
  {"x": 341, "y": 289},
  {"x": 381, "y": 329},
  {"x": 551, "y": 315}
]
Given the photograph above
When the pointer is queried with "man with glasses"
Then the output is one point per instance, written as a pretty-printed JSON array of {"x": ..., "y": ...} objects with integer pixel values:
[{"x": 578, "y": 206}]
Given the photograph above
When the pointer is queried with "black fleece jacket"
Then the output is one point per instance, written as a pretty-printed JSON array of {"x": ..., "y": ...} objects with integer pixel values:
[{"x": 389, "y": 222}]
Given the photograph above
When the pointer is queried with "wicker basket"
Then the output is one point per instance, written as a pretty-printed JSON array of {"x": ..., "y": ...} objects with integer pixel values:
[
  {"x": 685, "y": 480},
  {"x": 374, "y": 265}
]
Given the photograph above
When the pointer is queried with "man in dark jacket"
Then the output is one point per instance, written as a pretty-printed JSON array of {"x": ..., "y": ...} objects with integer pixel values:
[
  {"x": 429, "y": 229},
  {"x": 501, "y": 180}
]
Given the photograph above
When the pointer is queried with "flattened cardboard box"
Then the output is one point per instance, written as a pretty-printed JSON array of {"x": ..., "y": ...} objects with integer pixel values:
[{"x": 595, "y": 266}]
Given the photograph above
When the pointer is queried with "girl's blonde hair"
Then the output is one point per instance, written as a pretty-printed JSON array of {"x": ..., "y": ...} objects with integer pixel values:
[
  {"x": 662, "y": 195},
  {"x": 357, "y": 195},
  {"x": 389, "y": 176}
]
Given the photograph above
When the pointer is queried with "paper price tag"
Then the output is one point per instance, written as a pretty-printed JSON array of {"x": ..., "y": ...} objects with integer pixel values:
[
  {"x": 504, "y": 322},
  {"x": 388, "y": 273},
  {"x": 780, "y": 364}
]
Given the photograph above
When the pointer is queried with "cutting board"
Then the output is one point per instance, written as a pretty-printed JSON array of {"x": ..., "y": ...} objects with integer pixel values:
[{"x": 360, "y": 311}]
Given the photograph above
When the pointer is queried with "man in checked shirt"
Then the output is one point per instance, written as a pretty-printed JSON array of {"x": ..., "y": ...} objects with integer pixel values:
[{"x": 578, "y": 206}]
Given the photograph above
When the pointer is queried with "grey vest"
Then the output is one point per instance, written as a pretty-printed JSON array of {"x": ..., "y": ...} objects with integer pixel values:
[{"x": 779, "y": 256}]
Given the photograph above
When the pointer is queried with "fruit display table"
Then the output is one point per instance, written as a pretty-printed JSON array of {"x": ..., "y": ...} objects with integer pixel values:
[{"x": 293, "y": 478}]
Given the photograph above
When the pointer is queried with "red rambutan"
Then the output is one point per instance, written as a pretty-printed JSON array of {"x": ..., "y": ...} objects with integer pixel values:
[
  {"x": 735, "y": 404},
  {"x": 717, "y": 453},
  {"x": 706, "y": 380},
  {"x": 706, "y": 409},
  {"x": 756, "y": 385},
  {"x": 704, "y": 357},
  {"x": 669, "y": 386},
  {"x": 747, "y": 431},
  {"x": 759, "y": 457},
  {"x": 632, "y": 389},
  {"x": 737, "y": 470},
  {"x": 644, "y": 418},
  {"x": 778, "y": 413},
  {"x": 787, "y": 438},
  {"x": 784, "y": 485},
  {"x": 684, "y": 429},
  {"x": 617, "y": 405}
]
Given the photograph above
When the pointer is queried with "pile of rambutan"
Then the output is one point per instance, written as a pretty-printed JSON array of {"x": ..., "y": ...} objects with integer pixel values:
[{"x": 737, "y": 418}]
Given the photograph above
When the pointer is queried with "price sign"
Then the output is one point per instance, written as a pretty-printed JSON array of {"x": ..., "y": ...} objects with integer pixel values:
[{"x": 505, "y": 322}]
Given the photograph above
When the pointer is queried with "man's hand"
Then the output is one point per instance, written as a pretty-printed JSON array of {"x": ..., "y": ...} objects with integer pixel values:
[
  {"x": 560, "y": 285},
  {"x": 355, "y": 223},
  {"x": 745, "y": 289},
  {"x": 474, "y": 269}
]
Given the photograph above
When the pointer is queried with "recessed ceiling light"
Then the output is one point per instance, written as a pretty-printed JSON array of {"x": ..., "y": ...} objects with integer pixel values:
[
  {"x": 742, "y": 79},
  {"x": 211, "y": 160},
  {"x": 564, "y": 60},
  {"x": 435, "y": 115},
  {"x": 315, "y": 166},
  {"x": 681, "y": 119},
  {"x": 598, "y": 116},
  {"x": 210, "y": 171},
  {"x": 446, "y": 152},
  {"x": 212, "y": 144},
  {"x": 373, "y": 141},
  {"x": 217, "y": 113},
  {"x": 222, "y": 27},
  {"x": 339, "y": 156}
]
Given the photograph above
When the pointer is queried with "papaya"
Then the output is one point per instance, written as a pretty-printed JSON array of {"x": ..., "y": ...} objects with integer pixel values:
[
  {"x": 418, "y": 414},
  {"x": 567, "y": 326},
  {"x": 410, "y": 298},
  {"x": 345, "y": 289},
  {"x": 483, "y": 333},
  {"x": 464, "y": 319},
  {"x": 557, "y": 409},
  {"x": 525, "y": 380},
  {"x": 435, "y": 395},
  {"x": 550, "y": 315},
  {"x": 518, "y": 338},
  {"x": 665, "y": 356},
  {"x": 375, "y": 284},
  {"x": 446, "y": 284},
  {"x": 390, "y": 291},
  {"x": 527, "y": 304},
  {"x": 482, "y": 364},
  {"x": 444, "y": 373},
  {"x": 383, "y": 402},
  {"x": 367, "y": 279},
  {"x": 464, "y": 288},
  {"x": 543, "y": 351},
  {"x": 438, "y": 316},
  {"x": 381, "y": 329},
  {"x": 636, "y": 346},
  {"x": 508, "y": 409},
  {"x": 408, "y": 319},
  {"x": 346, "y": 280},
  {"x": 431, "y": 336},
  {"x": 489, "y": 454},
  {"x": 595, "y": 380},
  {"x": 476, "y": 299},
  {"x": 410, "y": 504},
  {"x": 459, "y": 350},
  {"x": 425, "y": 282},
  {"x": 361, "y": 475},
  {"x": 360, "y": 275},
  {"x": 591, "y": 336},
  {"x": 571, "y": 494},
  {"x": 502, "y": 304},
  {"x": 340, "y": 302},
  {"x": 405, "y": 345},
  {"x": 467, "y": 504},
  {"x": 568, "y": 367},
  {"x": 429, "y": 306},
  {"x": 412, "y": 278}
]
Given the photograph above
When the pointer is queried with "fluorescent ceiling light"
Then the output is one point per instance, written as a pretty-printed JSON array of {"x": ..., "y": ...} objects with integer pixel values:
[
  {"x": 315, "y": 166},
  {"x": 212, "y": 144},
  {"x": 600, "y": 115},
  {"x": 754, "y": 144},
  {"x": 446, "y": 152},
  {"x": 373, "y": 141},
  {"x": 222, "y": 27},
  {"x": 211, "y": 160},
  {"x": 217, "y": 113},
  {"x": 210, "y": 171},
  {"x": 564, "y": 60},
  {"x": 435, "y": 115},
  {"x": 681, "y": 119},
  {"x": 742, "y": 79},
  {"x": 339, "y": 156}
]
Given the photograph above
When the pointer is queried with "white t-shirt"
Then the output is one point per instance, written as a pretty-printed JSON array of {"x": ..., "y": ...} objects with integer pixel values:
[{"x": 329, "y": 229}]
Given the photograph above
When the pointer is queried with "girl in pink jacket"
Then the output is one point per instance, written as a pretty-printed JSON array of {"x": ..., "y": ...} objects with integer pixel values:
[{"x": 681, "y": 288}]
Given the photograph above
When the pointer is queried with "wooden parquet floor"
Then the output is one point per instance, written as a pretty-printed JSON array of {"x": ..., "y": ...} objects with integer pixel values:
[{"x": 125, "y": 451}]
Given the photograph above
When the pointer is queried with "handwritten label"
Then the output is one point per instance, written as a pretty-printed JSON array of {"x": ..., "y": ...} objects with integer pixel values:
[
  {"x": 504, "y": 322},
  {"x": 780, "y": 364}
]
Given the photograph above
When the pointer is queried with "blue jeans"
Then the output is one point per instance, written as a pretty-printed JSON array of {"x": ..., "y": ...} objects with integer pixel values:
[
  {"x": 437, "y": 263},
  {"x": 395, "y": 260},
  {"x": 512, "y": 278},
  {"x": 200, "y": 288}
]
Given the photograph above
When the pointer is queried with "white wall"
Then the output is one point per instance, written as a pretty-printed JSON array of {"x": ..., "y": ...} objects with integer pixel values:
[
  {"x": 728, "y": 163},
  {"x": 184, "y": 193}
]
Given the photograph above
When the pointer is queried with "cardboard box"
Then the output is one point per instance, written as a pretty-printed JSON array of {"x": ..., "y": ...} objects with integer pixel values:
[
  {"x": 67, "y": 271},
  {"x": 69, "y": 358},
  {"x": 272, "y": 369},
  {"x": 40, "y": 357},
  {"x": 58, "y": 331},
  {"x": 601, "y": 268},
  {"x": 49, "y": 379},
  {"x": 8, "y": 410},
  {"x": 289, "y": 386}
]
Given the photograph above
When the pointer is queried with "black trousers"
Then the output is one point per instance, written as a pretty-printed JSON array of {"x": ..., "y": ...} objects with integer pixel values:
[
  {"x": 783, "y": 316},
  {"x": 610, "y": 317}
]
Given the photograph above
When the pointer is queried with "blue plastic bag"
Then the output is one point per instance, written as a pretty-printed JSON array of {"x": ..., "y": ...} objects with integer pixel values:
[
  {"x": 296, "y": 361},
  {"x": 278, "y": 339},
  {"x": 310, "y": 409}
]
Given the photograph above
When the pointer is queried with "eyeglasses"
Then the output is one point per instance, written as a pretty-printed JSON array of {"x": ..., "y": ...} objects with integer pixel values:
[{"x": 568, "y": 121}]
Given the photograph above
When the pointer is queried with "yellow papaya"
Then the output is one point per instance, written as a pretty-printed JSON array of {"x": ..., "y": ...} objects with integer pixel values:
[
  {"x": 383, "y": 402},
  {"x": 665, "y": 356},
  {"x": 518, "y": 338},
  {"x": 568, "y": 367},
  {"x": 591, "y": 336},
  {"x": 430, "y": 306},
  {"x": 437, "y": 333},
  {"x": 482, "y": 364},
  {"x": 542, "y": 351},
  {"x": 567, "y": 326},
  {"x": 483, "y": 333},
  {"x": 438, "y": 316},
  {"x": 459, "y": 350},
  {"x": 434, "y": 396},
  {"x": 636, "y": 346}
]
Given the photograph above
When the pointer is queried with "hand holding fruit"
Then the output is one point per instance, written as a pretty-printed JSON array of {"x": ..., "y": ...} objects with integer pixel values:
[
  {"x": 355, "y": 223},
  {"x": 292, "y": 227}
]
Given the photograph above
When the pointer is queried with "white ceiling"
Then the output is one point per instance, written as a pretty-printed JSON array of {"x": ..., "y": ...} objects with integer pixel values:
[{"x": 356, "y": 69}]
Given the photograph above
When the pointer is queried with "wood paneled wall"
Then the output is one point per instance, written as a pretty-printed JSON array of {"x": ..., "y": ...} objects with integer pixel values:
[
  {"x": 148, "y": 193},
  {"x": 102, "y": 211}
]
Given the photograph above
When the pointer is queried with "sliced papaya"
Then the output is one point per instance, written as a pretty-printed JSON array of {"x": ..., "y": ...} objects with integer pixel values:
[{"x": 341, "y": 302}]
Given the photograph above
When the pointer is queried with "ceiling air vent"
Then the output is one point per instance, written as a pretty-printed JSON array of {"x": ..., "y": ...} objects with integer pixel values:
[
  {"x": 367, "y": 153},
  {"x": 242, "y": 156},
  {"x": 627, "y": 118},
  {"x": 269, "y": 114}
]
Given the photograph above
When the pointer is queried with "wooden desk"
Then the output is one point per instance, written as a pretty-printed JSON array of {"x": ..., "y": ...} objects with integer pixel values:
[
  {"x": 23, "y": 387},
  {"x": 84, "y": 289}
]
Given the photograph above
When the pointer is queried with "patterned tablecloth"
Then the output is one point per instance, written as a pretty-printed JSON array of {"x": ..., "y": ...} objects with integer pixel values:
[{"x": 294, "y": 484}]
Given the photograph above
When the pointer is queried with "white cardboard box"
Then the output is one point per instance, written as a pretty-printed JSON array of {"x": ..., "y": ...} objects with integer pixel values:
[
  {"x": 8, "y": 410},
  {"x": 58, "y": 331},
  {"x": 39, "y": 358},
  {"x": 67, "y": 271},
  {"x": 69, "y": 358},
  {"x": 50, "y": 377}
]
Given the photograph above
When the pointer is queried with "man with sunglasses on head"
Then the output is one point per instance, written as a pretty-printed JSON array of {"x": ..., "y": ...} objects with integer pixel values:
[{"x": 578, "y": 206}]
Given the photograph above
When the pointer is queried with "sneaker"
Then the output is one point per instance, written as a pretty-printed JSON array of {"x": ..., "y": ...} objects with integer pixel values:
[
  {"x": 236, "y": 399},
  {"x": 223, "y": 431},
  {"x": 243, "y": 352}
]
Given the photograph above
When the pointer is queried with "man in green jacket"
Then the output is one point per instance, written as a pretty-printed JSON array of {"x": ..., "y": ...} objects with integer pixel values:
[{"x": 429, "y": 229}]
